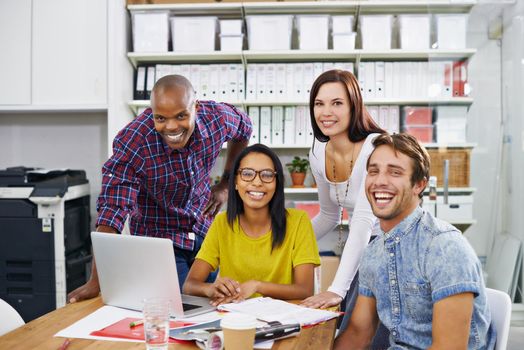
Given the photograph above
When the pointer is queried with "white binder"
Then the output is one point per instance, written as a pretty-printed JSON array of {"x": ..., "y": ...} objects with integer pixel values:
[
  {"x": 394, "y": 119},
  {"x": 223, "y": 82},
  {"x": 241, "y": 86},
  {"x": 388, "y": 79},
  {"x": 362, "y": 79},
  {"x": 261, "y": 82},
  {"x": 150, "y": 81},
  {"x": 251, "y": 82},
  {"x": 309, "y": 78},
  {"x": 214, "y": 81},
  {"x": 309, "y": 128},
  {"x": 265, "y": 125},
  {"x": 289, "y": 93},
  {"x": 231, "y": 95},
  {"x": 289, "y": 126},
  {"x": 318, "y": 68},
  {"x": 383, "y": 118},
  {"x": 140, "y": 83},
  {"x": 254, "y": 115},
  {"x": 195, "y": 79},
  {"x": 277, "y": 126},
  {"x": 271, "y": 82},
  {"x": 370, "y": 92},
  {"x": 204, "y": 90},
  {"x": 298, "y": 82},
  {"x": 379, "y": 79},
  {"x": 280, "y": 82},
  {"x": 301, "y": 125}
]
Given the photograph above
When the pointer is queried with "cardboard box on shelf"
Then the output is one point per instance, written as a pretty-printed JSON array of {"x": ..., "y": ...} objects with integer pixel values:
[{"x": 459, "y": 160}]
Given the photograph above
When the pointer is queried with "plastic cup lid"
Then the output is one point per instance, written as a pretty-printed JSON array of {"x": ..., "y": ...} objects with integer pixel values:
[{"x": 238, "y": 321}]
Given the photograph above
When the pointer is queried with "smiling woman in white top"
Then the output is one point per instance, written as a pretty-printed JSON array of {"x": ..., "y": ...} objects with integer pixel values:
[{"x": 343, "y": 131}]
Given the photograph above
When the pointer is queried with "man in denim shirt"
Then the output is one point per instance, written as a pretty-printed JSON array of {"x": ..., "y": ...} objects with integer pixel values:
[{"x": 420, "y": 276}]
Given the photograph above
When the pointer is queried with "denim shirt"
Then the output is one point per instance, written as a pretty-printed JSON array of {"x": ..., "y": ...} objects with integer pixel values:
[{"x": 419, "y": 262}]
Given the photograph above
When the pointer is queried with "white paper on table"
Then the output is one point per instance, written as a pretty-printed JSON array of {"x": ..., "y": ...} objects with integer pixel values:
[
  {"x": 97, "y": 320},
  {"x": 268, "y": 309},
  {"x": 207, "y": 317},
  {"x": 107, "y": 315}
]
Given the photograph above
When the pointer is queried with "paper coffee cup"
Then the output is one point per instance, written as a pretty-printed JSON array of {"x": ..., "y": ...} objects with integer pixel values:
[{"x": 239, "y": 331}]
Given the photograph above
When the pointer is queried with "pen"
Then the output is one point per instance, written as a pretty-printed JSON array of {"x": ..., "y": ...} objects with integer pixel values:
[
  {"x": 136, "y": 323},
  {"x": 65, "y": 344},
  {"x": 200, "y": 330},
  {"x": 276, "y": 331}
]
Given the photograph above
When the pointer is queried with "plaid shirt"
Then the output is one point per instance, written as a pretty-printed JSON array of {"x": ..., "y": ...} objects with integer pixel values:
[{"x": 165, "y": 191}]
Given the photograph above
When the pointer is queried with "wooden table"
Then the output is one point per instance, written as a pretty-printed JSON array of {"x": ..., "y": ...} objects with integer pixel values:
[{"x": 39, "y": 333}]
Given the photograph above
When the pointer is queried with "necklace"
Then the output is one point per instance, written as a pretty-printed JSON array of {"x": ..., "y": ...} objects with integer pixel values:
[{"x": 340, "y": 243}]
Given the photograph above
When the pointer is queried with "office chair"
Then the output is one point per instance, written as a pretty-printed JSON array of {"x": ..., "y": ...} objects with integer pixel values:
[
  {"x": 10, "y": 318},
  {"x": 500, "y": 307}
]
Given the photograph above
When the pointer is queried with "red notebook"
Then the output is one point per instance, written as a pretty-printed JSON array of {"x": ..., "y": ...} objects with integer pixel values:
[{"x": 122, "y": 330}]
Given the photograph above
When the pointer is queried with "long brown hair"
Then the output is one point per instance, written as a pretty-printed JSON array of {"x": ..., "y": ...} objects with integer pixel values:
[{"x": 360, "y": 122}]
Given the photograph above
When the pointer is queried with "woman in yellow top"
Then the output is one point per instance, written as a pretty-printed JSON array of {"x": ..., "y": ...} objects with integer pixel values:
[{"x": 261, "y": 247}]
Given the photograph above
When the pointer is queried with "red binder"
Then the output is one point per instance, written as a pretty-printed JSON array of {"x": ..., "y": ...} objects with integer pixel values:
[
  {"x": 460, "y": 78},
  {"x": 122, "y": 330}
]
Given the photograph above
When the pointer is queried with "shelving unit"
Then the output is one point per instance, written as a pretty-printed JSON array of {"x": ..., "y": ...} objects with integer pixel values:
[
  {"x": 355, "y": 8},
  {"x": 364, "y": 6},
  {"x": 248, "y": 56},
  {"x": 180, "y": 57},
  {"x": 135, "y": 105}
]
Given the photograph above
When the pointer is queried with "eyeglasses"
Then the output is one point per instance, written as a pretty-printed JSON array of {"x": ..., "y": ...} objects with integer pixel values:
[{"x": 265, "y": 175}]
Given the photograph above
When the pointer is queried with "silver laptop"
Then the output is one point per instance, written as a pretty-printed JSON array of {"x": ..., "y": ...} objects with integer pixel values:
[{"x": 132, "y": 268}]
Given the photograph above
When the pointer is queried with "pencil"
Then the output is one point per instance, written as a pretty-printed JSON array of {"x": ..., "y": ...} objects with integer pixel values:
[
  {"x": 65, "y": 344},
  {"x": 136, "y": 323}
]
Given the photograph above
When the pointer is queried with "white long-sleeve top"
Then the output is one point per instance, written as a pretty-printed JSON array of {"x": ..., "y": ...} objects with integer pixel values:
[{"x": 361, "y": 218}]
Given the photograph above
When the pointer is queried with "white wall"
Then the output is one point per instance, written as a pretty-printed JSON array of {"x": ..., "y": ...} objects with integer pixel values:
[
  {"x": 75, "y": 141},
  {"x": 484, "y": 120},
  {"x": 513, "y": 92},
  {"x": 63, "y": 53},
  {"x": 513, "y": 78}
]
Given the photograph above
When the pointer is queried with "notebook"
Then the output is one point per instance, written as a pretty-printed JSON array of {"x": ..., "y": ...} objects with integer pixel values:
[{"x": 133, "y": 268}]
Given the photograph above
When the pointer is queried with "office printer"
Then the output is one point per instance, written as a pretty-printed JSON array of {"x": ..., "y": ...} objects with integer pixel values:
[{"x": 45, "y": 248}]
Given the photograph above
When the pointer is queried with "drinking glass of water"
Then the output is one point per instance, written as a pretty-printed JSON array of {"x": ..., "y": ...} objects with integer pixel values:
[{"x": 156, "y": 323}]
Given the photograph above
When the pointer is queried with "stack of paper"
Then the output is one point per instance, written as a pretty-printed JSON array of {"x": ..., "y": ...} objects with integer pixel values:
[{"x": 269, "y": 310}]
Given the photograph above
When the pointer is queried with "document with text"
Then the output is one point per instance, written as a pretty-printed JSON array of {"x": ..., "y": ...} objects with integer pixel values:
[{"x": 269, "y": 310}]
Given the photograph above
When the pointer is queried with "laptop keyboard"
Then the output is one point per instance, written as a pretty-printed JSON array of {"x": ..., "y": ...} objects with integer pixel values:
[{"x": 189, "y": 307}]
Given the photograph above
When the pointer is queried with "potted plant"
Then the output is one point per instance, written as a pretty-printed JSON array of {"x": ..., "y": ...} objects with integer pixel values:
[{"x": 297, "y": 169}]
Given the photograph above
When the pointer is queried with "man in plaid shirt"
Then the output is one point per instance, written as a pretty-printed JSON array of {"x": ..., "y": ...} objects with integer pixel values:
[{"x": 159, "y": 173}]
